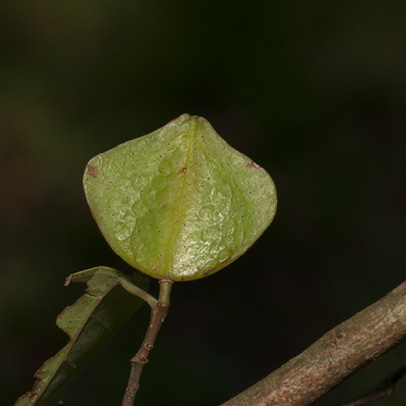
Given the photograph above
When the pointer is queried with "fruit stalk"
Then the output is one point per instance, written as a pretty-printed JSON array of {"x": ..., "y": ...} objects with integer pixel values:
[{"x": 158, "y": 314}]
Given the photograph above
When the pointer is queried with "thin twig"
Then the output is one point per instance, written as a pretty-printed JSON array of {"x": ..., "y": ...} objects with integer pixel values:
[
  {"x": 384, "y": 389},
  {"x": 158, "y": 314}
]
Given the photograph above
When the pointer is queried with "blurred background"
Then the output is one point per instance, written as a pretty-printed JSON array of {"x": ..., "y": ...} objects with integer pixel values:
[{"x": 315, "y": 92}]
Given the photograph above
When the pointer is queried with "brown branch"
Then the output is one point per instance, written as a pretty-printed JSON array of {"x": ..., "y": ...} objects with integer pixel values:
[
  {"x": 339, "y": 353},
  {"x": 158, "y": 314}
]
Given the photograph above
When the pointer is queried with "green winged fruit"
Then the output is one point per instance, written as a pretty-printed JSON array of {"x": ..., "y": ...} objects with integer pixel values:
[{"x": 179, "y": 202}]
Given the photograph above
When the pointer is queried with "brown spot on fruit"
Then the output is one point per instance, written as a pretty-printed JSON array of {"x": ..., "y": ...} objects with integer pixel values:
[
  {"x": 92, "y": 171},
  {"x": 253, "y": 165}
]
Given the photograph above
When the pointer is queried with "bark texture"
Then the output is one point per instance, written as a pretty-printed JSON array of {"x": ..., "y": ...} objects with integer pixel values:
[{"x": 339, "y": 353}]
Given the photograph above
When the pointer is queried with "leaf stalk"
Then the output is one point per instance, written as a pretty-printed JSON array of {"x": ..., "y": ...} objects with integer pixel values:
[{"x": 136, "y": 291}]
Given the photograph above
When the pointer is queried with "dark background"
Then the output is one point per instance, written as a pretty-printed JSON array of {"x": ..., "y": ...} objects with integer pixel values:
[{"x": 313, "y": 91}]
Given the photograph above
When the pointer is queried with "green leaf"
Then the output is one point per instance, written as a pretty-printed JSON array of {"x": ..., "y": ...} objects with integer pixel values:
[
  {"x": 179, "y": 202},
  {"x": 90, "y": 323}
]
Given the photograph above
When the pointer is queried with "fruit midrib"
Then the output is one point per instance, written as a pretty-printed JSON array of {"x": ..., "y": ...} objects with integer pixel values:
[{"x": 178, "y": 212}]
